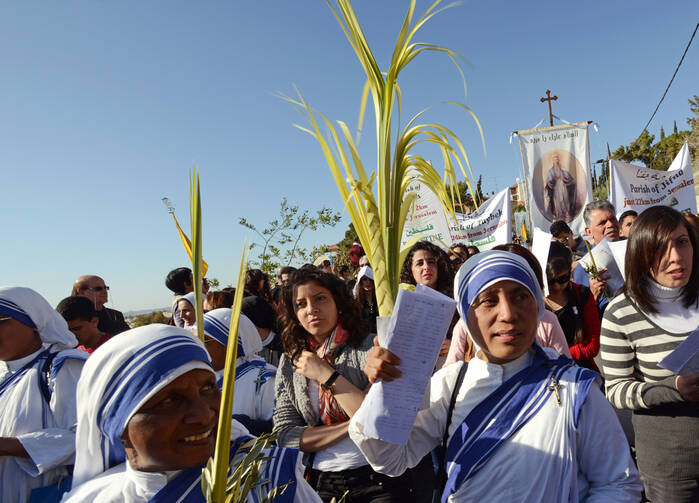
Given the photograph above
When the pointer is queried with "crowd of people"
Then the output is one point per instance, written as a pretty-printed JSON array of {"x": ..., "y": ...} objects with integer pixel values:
[{"x": 524, "y": 404}]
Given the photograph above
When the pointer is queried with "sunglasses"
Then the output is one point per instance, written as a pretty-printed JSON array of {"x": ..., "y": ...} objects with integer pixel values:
[
  {"x": 97, "y": 288},
  {"x": 561, "y": 280}
]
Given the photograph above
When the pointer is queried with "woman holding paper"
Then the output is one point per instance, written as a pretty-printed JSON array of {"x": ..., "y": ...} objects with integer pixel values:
[
  {"x": 657, "y": 311},
  {"x": 320, "y": 385}
]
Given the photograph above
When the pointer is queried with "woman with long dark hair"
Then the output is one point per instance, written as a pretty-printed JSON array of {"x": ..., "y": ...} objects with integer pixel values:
[
  {"x": 427, "y": 264},
  {"x": 321, "y": 384},
  {"x": 657, "y": 310}
]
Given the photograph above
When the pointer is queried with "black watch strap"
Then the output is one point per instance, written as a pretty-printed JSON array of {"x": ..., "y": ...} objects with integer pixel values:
[{"x": 331, "y": 381}]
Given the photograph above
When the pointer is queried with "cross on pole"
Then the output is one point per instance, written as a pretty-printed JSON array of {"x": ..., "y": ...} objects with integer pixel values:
[{"x": 549, "y": 98}]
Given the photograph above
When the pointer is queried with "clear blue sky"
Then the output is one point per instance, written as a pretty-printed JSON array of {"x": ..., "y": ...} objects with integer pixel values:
[{"x": 104, "y": 106}]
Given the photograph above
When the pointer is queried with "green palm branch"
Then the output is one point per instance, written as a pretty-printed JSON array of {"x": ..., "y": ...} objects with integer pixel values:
[{"x": 379, "y": 217}]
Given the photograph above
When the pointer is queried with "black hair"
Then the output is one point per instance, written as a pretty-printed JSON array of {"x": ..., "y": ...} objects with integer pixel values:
[
  {"x": 558, "y": 228},
  {"x": 177, "y": 279},
  {"x": 445, "y": 277},
  {"x": 76, "y": 307},
  {"x": 294, "y": 336}
]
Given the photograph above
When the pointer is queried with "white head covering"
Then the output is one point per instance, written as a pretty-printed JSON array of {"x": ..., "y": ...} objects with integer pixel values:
[
  {"x": 489, "y": 267},
  {"x": 28, "y": 307},
  {"x": 189, "y": 298},
  {"x": 119, "y": 377},
  {"x": 217, "y": 324},
  {"x": 364, "y": 271}
]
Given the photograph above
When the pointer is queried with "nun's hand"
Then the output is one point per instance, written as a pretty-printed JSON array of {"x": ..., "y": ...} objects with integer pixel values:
[
  {"x": 381, "y": 364},
  {"x": 312, "y": 367}
]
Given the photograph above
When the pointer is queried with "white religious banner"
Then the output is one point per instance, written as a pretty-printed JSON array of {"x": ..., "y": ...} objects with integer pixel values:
[
  {"x": 637, "y": 188},
  {"x": 425, "y": 220},
  {"x": 556, "y": 163},
  {"x": 490, "y": 225}
]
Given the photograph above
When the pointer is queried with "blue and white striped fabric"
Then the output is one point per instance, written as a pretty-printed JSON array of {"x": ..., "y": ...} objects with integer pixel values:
[
  {"x": 505, "y": 411},
  {"x": 119, "y": 377},
  {"x": 29, "y": 307},
  {"x": 279, "y": 470},
  {"x": 490, "y": 267},
  {"x": 217, "y": 323}
]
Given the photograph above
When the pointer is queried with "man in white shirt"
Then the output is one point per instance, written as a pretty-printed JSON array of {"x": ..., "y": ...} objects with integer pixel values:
[{"x": 527, "y": 425}]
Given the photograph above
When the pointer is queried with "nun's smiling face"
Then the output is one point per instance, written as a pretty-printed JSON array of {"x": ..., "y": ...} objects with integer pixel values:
[
  {"x": 502, "y": 320},
  {"x": 176, "y": 427}
]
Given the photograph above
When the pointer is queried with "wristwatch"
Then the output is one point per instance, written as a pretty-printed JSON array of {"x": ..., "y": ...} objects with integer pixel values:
[{"x": 330, "y": 383}]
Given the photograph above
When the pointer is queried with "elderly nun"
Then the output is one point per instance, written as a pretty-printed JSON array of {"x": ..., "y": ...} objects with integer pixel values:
[
  {"x": 524, "y": 424},
  {"x": 39, "y": 373},
  {"x": 148, "y": 409}
]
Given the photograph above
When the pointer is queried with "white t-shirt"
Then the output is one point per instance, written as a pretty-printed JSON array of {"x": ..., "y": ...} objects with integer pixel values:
[{"x": 344, "y": 455}]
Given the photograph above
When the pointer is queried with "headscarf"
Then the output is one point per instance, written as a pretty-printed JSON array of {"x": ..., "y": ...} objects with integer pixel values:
[
  {"x": 364, "y": 271},
  {"x": 489, "y": 267},
  {"x": 217, "y": 323},
  {"x": 189, "y": 297},
  {"x": 30, "y": 308},
  {"x": 119, "y": 377}
]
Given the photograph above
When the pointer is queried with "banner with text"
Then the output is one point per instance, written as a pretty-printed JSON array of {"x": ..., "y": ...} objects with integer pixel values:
[
  {"x": 488, "y": 226},
  {"x": 426, "y": 220},
  {"x": 557, "y": 166},
  {"x": 637, "y": 188}
]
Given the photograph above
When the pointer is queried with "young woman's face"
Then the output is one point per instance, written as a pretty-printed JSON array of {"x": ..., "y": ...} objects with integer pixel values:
[
  {"x": 673, "y": 267},
  {"x": 424, "y": 268},
  {"x": 559, "y": 282},
  {"x": 315, "y": 309},
  {"x": 502, "y": 320},
  {"x": 367, "y": 284},
  {"x": 176, "y": 428},
  {"x": 17, "y": 340},
  {"x": 187, "y": 312}
]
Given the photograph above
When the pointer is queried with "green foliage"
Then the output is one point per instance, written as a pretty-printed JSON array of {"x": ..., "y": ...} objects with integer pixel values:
[
  {"x": 658, "y": 155},
  {"x": 467, "y": 204},
  {"x": 214, "y": 282},
  {"x": 246, "y": 469},
  {"x": 280, "y": 238},
  {"x": 693, "y": 139},
  {"x": 148, "y": 319}
]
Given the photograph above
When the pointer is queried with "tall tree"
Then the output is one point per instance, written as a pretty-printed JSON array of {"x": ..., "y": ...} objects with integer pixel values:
[{"x": 280, "y": 239}]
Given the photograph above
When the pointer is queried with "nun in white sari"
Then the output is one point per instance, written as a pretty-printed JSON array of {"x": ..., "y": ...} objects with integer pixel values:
[
  {"x": 253, "y": 404},
  {"x": 38, "y": 376},
  {"x": 147, "y": 415}
]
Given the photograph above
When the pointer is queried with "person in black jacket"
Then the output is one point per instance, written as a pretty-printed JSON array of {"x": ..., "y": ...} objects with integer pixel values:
[{"x": 111, "y": 321}]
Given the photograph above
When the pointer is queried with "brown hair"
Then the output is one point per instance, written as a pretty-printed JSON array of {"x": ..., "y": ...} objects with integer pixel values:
[
  {"x": 526, "y": 255},
  {"x": 648, "y": 241},
  {"x": 216, "y": 299},
  {"x": 445, "y": 278},
  {"x": 294, "y": 336}
]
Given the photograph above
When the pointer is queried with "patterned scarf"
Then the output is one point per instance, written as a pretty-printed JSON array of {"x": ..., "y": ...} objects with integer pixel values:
[{"x": 330, "y": 411}]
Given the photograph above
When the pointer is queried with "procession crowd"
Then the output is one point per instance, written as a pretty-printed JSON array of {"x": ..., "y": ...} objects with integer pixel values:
[{"x": 526, "y": 404}]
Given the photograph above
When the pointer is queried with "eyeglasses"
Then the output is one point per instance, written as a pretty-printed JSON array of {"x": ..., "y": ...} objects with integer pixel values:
[
  {"x": 97, "y": 288},
  {"x": 561, "y": 280}
]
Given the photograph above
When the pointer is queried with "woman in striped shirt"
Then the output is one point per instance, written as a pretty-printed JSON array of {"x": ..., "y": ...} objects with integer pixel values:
[{"x": 657, "y": 311}]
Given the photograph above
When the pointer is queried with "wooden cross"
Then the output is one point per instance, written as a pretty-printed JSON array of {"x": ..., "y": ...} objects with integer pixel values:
[
  {"x": 555, "y": 387},
  {"x": 549, "y": 98}
]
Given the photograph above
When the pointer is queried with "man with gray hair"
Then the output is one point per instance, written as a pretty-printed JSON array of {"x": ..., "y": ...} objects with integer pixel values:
[{"x": 600, "y": 223}]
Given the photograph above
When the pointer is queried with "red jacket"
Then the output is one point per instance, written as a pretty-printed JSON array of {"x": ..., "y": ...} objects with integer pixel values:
[{"x": 589, "y": 347}]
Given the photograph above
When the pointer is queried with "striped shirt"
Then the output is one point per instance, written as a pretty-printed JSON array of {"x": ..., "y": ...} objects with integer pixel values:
[
  {"x": 666, "y": 426},
  {"x": 631, "y": 346}
]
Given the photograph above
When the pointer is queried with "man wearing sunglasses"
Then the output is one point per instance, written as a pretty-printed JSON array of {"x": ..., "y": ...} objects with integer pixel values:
[{"x": 111, "y": 321}]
